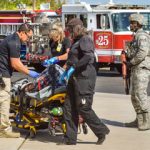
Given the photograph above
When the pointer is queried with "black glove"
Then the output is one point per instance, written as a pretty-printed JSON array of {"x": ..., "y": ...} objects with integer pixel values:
[{"x": 128, "y": 64}]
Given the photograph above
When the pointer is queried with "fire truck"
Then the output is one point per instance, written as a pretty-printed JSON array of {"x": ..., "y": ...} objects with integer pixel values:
[
  {"x": 35, "y": 51},
  {"x": 109, "y": 25},
  {"x": 39, "y": 49}
]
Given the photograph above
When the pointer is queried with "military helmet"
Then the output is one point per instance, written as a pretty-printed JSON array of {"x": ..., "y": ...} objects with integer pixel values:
[
  {"x": 74, "y": 22},
  {"x": 137, "y": 17}
]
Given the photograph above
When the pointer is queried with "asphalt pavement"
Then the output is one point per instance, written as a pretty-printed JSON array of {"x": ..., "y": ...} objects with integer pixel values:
[{"x": 113, "y": 109}]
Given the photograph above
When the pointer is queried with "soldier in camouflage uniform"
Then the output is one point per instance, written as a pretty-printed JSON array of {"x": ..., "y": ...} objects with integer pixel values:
[{"x": 138, "y": 56}]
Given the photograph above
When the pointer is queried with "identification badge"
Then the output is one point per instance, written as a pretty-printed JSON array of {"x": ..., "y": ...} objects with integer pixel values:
[{"x": 58, "y": 49}]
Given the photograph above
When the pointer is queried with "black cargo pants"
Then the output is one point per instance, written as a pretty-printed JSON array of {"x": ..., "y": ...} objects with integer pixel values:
[{"x": 79, "y": 101}]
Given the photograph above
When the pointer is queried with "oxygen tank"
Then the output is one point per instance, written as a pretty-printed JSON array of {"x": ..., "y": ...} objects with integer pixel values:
[{"x": 56, "y": 111}]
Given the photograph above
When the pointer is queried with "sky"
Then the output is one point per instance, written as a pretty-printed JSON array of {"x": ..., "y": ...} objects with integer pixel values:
[{"x": 135, "y": 2}]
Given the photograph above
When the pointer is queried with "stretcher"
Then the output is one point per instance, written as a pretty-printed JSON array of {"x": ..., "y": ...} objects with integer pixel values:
[{"x": 38, "y": 104}]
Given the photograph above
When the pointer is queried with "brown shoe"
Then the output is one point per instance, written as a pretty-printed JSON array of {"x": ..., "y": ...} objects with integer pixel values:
[{"x": 9, "y": 134}]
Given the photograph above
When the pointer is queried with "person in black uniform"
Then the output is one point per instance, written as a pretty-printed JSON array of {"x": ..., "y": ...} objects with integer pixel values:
[
  {"x": 81, "y": 78},
  {"x": 59, "y": 45},
  {"x": 9, "y": 60}
]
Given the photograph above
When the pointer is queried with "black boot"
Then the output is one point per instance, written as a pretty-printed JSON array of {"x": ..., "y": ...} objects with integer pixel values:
[
  {"x": 132, "y": 124},
  {"x": 65, "y": 143},
  {"x": 101, "y": 139},
  {"x": 146, "y": 122}
]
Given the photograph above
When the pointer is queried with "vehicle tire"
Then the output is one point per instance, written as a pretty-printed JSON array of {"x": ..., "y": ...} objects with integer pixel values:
[
  {"x": 51, "y": 130},
  {"x": 119, "y": 68}
]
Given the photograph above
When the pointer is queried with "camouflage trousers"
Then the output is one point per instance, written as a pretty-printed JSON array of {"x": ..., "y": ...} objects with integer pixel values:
[
  {"x": 5, "y": 104},
  {"x": 139, "y": 84}
]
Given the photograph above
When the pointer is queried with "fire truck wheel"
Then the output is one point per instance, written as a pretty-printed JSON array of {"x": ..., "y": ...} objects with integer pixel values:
[{"x": 119, "y": 68}]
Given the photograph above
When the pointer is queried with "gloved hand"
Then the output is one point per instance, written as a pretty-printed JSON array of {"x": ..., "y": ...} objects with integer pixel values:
[
  {"x": 66, "y": 75},
  {"x": 62, "y": 78},
  {"x": 69, "y": 73},
  {"x": 50, "y": 61},
  {"x": 128, "y": 64},
  {"x": 33, "y": 74}
]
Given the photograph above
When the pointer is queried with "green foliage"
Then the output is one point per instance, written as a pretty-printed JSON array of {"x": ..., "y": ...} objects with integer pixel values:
[{"x": 12, "y": 4}]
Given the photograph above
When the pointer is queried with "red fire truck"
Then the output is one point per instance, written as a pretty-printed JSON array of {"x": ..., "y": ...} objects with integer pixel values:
[
  {"x": 31, "y": 53},
  {"x": 109, "y": 25},
  {"x": 39, "y": 49},
  {"x": 11, "y": 19}
]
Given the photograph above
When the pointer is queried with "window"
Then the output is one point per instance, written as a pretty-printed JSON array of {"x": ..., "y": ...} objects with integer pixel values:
[
  {"x": 68, "y": 17},
  {"x": 146, "y": 25},
  {"x": 120, "y": 21},
  {"x": 83, "y": 17},
  {"x": 102, "y": 21}
]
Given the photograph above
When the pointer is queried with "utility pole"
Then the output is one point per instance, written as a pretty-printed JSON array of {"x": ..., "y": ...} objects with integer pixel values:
[{"x": 33, "y": 4}]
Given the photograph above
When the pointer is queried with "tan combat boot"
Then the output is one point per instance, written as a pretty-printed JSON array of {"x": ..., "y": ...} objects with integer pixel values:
[
  {"x": 140, "y": 120},
  {"x": 9, "y": 134},
  {"x": 146, "y": 122}
]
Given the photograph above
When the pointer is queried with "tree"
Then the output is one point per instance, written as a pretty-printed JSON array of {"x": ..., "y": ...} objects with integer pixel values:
[{"x": 12, "y": 4}]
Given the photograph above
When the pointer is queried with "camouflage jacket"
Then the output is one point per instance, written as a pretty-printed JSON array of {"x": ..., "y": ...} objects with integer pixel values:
[{"x": 138, "y": 50}]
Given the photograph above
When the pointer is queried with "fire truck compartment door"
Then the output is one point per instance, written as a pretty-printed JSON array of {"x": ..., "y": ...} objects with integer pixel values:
[{"x": 103, "y": 45}]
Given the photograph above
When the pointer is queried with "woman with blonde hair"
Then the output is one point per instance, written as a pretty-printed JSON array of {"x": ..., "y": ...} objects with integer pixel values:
[{"x": 59, "y": 44}]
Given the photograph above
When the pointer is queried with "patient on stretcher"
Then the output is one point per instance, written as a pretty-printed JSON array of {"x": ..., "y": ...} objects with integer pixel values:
[{"x": 44, "y": 86}]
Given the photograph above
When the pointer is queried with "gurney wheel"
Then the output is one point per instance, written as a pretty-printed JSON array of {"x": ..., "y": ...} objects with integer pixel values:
[
  {"x": 85, "y": 129},
  {"x": 32, "y": 133},
  {"x": 51, "y": 130}
]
